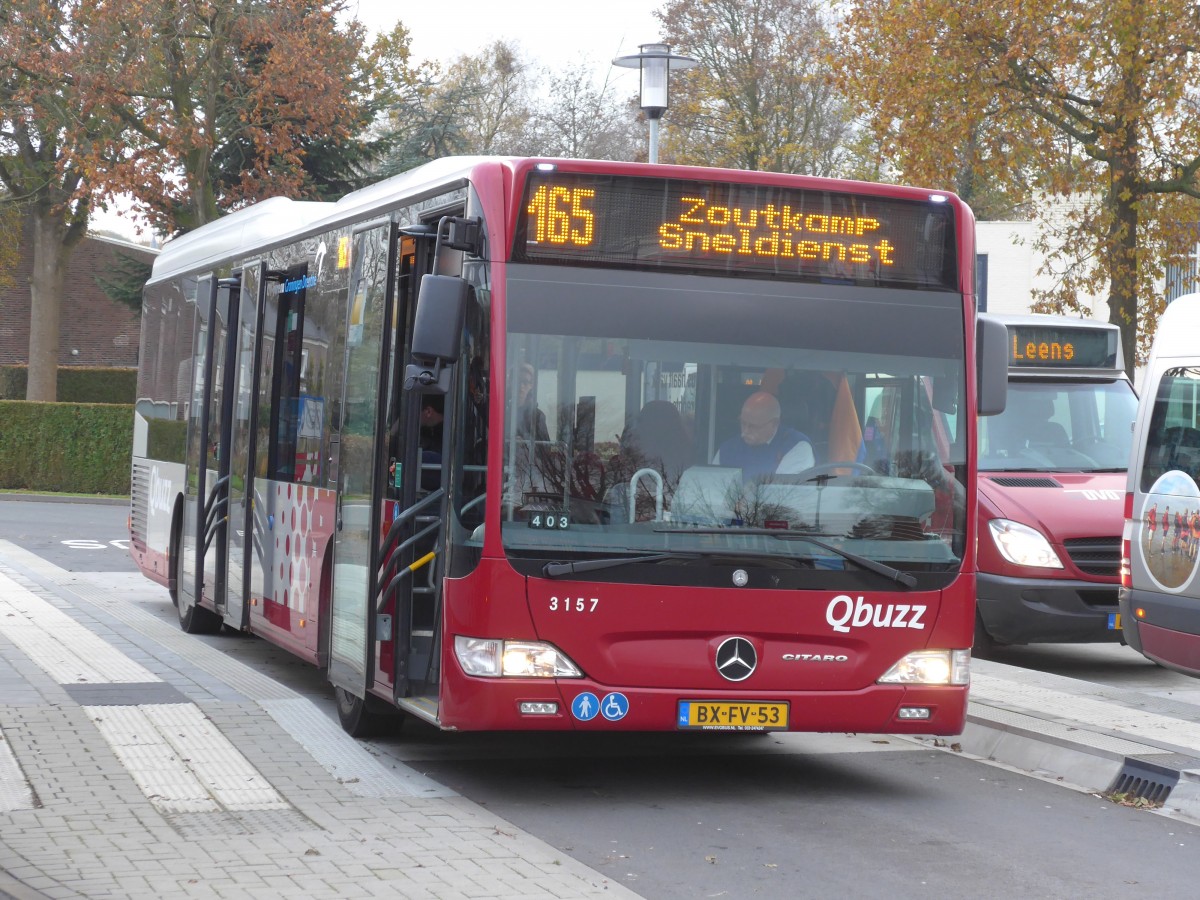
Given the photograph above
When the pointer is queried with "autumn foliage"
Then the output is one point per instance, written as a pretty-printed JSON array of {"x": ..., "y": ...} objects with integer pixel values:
[
  {"x": 1092, "y": 101},
  {"x": 221, "y": 99}
]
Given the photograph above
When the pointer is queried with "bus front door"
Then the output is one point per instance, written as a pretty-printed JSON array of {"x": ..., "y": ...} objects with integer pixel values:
[{"x": 352, "y": 618}]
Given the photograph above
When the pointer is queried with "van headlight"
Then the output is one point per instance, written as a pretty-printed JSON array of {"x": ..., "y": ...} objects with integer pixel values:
[
  {"x": 931, "y": 667},
  {"x": 1022, "y": 545},
  {"x": 492, "y": 658}
]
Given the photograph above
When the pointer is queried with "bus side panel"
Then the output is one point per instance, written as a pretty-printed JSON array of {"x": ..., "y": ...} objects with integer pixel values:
[
  {"x": 299, "y": 521},
  {"x": 160, "y": 423}
]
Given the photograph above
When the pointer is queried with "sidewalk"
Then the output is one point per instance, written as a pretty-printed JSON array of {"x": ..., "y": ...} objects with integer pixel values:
[
  {"x": 1087, "y": 735},
  {"x": 137, "y": 761},
  {"x": 164, "y": 769}
]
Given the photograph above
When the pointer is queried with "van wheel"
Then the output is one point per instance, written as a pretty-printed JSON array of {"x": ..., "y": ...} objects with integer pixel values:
[
  {"x": 984, "y": 646},
  {"x": 368, "y": 717}
]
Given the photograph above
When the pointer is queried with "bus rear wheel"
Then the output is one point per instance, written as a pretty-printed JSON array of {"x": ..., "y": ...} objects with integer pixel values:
[{"x": 369, "y": 717}]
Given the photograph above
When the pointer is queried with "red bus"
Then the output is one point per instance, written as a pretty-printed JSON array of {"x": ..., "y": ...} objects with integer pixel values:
[
  {"x": 1052, "y": 485},
  {"x": 574, "y": 445}
]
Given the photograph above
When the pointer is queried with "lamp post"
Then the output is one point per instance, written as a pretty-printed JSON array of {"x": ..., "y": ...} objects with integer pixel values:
[{"x": 655, "y": 61}]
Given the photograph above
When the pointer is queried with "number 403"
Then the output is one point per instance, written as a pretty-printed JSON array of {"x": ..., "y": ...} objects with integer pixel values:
[{"x": 574, "y": 604}]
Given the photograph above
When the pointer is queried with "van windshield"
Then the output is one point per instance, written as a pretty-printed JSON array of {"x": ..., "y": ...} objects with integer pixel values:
[{"x": 1082, "y": 426}]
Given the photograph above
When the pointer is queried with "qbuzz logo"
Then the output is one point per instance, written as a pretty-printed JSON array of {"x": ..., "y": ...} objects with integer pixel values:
[
  {"x": 161, "y": 493},
  {"x": 844, "y": 613}
]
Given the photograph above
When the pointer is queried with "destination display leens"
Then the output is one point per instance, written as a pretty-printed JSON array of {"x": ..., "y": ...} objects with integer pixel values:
[
  {"x": 1061, "y": 347},
  {"x": 719, "y": 227}
]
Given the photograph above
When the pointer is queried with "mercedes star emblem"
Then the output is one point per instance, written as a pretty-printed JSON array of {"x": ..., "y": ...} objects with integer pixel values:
[{"x": 736, "y": 659}]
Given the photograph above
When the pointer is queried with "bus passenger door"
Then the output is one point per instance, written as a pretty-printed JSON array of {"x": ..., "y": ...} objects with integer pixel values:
[
  {"x": 243, "y": 529},
  {"x": 352, "y": 619},
  {"x": 197, "y": 480},
  {"x": 205, "y": 523}
]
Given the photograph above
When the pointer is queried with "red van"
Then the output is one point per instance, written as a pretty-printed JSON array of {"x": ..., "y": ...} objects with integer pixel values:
[{"x": 1052, "y": 471}]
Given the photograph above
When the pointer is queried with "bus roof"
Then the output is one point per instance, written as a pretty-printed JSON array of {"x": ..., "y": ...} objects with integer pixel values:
[{"x": 278, "y": 220}]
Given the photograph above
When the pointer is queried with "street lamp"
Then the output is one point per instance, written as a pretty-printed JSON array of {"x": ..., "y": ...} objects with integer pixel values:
[{"x": 655, "y": 62}]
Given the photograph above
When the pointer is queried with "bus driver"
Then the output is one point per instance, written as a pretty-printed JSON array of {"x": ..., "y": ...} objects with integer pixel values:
[{"x": 762, "y": 447}]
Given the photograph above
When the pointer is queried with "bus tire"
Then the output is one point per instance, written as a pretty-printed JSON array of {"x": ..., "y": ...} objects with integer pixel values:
[
  {"x": 369, "y": 717},
  {"x": 173, "y": 554},
  {"x": 195, "y": 619}
]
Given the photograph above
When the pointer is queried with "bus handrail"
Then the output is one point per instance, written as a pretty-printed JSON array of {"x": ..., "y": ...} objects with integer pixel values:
[
  {"x": 655, "y": 476},
  {"x": 402, "y": 518},
  {"x": 217, "y": 499},
  {"x": 432, "y": 528}
]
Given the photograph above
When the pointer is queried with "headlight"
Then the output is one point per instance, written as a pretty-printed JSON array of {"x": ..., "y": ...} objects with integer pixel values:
[
  {"x": 490, "y": 658},
  {"x": 1022, "y": 545},
  {"x": 931, "y": 667}
]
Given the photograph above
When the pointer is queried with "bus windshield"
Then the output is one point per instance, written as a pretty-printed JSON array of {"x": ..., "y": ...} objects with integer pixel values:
[
  {"x": 727, "y": 419},
  {"x": 1060, "y": 426}
]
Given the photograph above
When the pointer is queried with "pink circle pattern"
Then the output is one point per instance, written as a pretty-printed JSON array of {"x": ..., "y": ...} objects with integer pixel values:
[{"x": 302, "y": 517}]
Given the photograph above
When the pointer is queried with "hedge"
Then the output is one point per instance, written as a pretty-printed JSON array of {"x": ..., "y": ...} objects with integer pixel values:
[
  {"x": 78, "y": 448},
  {"x": 76, "y": 384}
]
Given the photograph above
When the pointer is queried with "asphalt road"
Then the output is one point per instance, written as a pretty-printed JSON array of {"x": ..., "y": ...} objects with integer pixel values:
[{"x": 674, "y": 816}]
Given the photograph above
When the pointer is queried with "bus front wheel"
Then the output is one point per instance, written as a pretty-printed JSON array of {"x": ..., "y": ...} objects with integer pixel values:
[
  {"x": 369, "y": 717},
  {"x": 195, "y": 619}
]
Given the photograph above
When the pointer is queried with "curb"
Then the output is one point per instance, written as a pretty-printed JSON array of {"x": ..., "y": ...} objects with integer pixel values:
[{"x": 66, "y": 498}]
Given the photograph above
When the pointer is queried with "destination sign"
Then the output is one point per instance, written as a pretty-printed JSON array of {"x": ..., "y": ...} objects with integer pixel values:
[
  {"x": 1062, "y": 347},
  {"x": 727, "y": 228}
]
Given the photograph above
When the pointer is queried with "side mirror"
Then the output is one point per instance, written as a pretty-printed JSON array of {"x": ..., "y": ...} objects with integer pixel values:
[
  {"x": 991, "y": 365},
  {"x": 437, "y": 332},
  {"x": 438, "y": 325}
]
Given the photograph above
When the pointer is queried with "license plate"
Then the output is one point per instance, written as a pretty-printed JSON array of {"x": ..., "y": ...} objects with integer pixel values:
[
  {"x": 1114, "y": 621},
  {"x": 732, "y": 715}
]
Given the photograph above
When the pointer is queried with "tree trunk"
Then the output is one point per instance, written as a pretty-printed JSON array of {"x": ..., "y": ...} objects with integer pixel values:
[
  {"x": 51, "y": 253},
  {"x": 1123, "y": 268}
]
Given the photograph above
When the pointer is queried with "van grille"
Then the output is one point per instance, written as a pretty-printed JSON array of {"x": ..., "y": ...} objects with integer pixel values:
[
  {"x": 1095, "y": 556},
  {"x": 1028, "y": 481}
]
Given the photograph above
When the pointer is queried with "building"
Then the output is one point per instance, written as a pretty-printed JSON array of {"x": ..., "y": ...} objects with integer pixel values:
[{"x": 95, "y": 329}]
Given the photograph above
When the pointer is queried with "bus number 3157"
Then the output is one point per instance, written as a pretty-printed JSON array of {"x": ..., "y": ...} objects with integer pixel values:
[{"x": 574, "y": 604}]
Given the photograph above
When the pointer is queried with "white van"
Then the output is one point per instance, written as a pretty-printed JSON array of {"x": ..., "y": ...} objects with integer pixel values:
[{"x": 1160, "y": 591}]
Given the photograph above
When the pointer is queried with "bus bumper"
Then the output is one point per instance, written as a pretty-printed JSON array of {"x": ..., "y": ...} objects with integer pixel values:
[
  {"x": 1047, "y": 610},
  {"x": 470, "y": 704}
]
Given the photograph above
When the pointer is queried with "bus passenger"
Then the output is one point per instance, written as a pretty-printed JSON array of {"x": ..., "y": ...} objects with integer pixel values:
[
  {"x": 761, "y": 447},
  {"x": 531, "y": 421}
]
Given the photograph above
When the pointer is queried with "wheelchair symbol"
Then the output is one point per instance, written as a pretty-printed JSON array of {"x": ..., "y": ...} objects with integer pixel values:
[{"x": 614, "y": 707}]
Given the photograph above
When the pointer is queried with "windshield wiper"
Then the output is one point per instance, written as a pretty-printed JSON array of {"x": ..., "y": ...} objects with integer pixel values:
[
  {"x": 557, "y": 569},
  {"x": 888, "y": 572}
]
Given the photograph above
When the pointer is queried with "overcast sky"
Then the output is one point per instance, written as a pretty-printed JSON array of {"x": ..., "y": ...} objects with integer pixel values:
[{"x": 552, "y": 34}]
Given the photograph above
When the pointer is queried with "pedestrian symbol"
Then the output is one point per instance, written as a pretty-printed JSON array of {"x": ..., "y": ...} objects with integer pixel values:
[
  {"x": 614, "y": 707},
  {"x": 585, "y": 706}
]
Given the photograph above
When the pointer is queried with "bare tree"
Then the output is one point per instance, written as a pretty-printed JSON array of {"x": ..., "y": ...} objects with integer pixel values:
[{"x": 762, "y": 96}]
